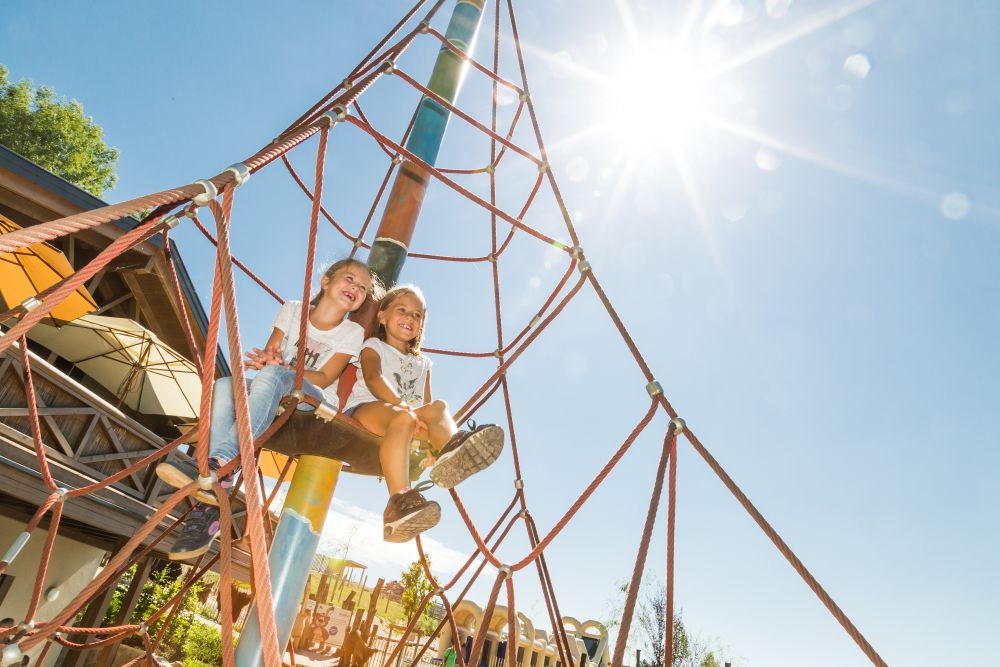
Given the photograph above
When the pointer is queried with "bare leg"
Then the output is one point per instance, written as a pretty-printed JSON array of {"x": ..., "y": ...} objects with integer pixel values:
[
  {"x": 396, "y": 426},
  {"x": 440, "y": 425}
]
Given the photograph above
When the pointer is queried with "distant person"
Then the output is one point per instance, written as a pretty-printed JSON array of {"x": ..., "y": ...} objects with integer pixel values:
[
  {"x": 332, "y": 342},
  {"x": 392, "y": 399}
]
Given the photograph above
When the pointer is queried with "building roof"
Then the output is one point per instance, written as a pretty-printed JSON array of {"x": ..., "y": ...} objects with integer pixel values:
[{"x": 45, "y": 179}]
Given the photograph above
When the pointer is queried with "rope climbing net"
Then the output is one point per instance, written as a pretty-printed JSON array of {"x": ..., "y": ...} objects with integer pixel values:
[{"x": 342, "y": 106}]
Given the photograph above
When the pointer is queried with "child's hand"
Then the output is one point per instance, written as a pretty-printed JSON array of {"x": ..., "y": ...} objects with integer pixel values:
[
  {"x": 421, "y": 429},
  {"x": 256, "y": 359}
]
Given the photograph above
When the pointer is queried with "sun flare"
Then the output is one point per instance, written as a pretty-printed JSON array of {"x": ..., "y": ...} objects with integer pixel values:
[{"x": 659, "y": 99}]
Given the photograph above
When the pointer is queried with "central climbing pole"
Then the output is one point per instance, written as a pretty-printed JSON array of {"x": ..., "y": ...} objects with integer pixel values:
[{"x": 315, "y": 478}]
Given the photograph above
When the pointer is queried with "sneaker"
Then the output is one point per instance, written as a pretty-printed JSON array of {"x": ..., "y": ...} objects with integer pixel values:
[
  {"x": 467, "y": 453},
  {"x": 407, "y": 515},
  {"x": 181, "y": 473},
  {"x": 197, "y": 534}
]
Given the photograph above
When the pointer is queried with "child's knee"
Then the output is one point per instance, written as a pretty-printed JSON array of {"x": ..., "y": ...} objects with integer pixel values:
[
  {"x": 437, "y": 406},
  {"x": 403, "y": 420}
]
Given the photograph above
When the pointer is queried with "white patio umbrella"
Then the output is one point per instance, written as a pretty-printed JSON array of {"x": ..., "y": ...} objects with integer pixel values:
[{"x": 129, "y": 360}]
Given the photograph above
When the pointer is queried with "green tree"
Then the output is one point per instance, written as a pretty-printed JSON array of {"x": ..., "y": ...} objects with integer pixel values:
[
  {"x": 54, "y": 133},
  {"x": 416, "y": 585}
]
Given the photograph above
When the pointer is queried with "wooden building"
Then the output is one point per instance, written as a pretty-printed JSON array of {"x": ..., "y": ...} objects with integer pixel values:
[{"x": 88, "y": 434}]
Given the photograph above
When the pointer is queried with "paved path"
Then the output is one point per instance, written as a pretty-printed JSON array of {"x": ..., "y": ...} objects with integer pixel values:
[{"x": 312, "y": 659}]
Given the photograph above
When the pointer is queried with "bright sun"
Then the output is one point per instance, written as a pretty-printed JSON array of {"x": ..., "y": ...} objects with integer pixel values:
[{"x": 659, "y": 98}]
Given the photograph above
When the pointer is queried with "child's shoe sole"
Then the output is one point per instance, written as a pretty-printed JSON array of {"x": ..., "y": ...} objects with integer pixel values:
[
  {"x": 177, "y": 478},
  {"x": 408, "y": 527},
  {"x": 478, "y": 452}
]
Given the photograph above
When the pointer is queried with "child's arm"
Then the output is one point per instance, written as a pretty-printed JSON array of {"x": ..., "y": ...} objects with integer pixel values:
[
  {"x": 427, "y": 388},
  {"x": 371, "y": 371},
  {"x": 331, "y": 370}
]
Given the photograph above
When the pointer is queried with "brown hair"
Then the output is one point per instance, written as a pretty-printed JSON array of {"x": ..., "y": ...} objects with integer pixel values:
[
  {"x": 374, "y": 293},
  {"x": 392, "y": 295}
]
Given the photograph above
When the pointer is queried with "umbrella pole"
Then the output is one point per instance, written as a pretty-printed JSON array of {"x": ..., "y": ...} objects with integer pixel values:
[{"x": 302, "y": 517}]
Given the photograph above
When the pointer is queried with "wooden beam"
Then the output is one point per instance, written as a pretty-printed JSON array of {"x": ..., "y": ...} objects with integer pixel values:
[
  {"x": 107, "y": 655},
  {"x": 92, "y": 618}
]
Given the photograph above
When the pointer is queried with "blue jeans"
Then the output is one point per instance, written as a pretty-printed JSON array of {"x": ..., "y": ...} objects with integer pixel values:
[{"x": 265, "y": 392}]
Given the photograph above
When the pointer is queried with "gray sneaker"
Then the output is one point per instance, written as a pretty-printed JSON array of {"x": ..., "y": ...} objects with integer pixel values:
[
  {"x": 467, "y": 453},
  {"x": 197, "y": 533}
]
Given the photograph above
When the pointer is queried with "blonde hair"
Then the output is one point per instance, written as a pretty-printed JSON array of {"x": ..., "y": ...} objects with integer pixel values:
[
  {"x": 376, "y": 289},
  {"x": 413, "y": 346}
]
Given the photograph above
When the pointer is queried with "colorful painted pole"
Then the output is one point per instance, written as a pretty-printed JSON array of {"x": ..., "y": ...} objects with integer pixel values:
[{"x": 315, "y": 478}]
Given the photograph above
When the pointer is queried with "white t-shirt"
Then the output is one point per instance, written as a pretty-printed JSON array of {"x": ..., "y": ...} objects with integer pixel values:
[
  {"x": 321, "y": 344},
  {"x": 406, "y": 374}
]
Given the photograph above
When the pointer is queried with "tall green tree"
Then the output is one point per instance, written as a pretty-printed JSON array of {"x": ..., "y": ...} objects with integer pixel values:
[
  {"x": 54, "y": 133},
  {"x": 416, "y": 585}
]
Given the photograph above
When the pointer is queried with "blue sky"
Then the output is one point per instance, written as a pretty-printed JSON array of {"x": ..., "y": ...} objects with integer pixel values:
[{"x": 814, "y": 280}]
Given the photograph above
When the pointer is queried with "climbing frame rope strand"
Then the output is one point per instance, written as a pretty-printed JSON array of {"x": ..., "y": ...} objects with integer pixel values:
[{"x": 381, "y": 61}]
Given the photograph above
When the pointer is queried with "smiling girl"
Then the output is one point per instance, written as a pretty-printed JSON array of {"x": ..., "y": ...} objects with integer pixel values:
[
  {"x": 392, "y": 398},
  {"x": 332, "y": 342}
]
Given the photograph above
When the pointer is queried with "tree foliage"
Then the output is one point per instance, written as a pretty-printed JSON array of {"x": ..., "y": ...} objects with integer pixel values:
[
  {"x": 416, "y": 586},
  {"x": 649, "y": 630},
  {"x": 54, "y": 133}
]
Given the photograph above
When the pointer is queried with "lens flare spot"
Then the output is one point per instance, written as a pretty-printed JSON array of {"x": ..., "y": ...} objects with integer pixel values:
[
  {"x": 955, "y": 206},
  {"x": 766, "y": 159},
  {"x": 857, "y": 65}
]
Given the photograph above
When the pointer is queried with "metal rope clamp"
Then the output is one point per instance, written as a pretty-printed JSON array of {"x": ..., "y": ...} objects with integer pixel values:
[
  {"x": 31, "y": 303},
  {"x": 654, "y": 389},
  {"x": 206, "y": 483},
  {"x": 61, "y": 493},
  {"x": 171, "y": 221},
  {"x": 336, "y": 114},
  {"x": 518, "y": 483},
  {"x": 389, "y": 66},
  {"x": 241, "y": 173},
  {"x": 208, "y": 196},
  {"x": 679, "y": 425},
  {"x": 506, "y": 571}
]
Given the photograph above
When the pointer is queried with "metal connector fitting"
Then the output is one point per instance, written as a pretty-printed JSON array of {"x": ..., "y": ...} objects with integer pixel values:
[
  {"x": 358, "y": 243},
  {"x": 679, "y": 425},
  {"x": 518, "y": 483},
  {"x": 31, "y": 303},
  {"x": 654, "y": 389},
  {"x": 190, "y": 210},
  {"x": 583, "y": 266},
  {"x": 492, "y": 259},
  {"x": 26, "y": 626},
  {"x": 346, "y": 83},
  {"x": 576, "y": 252},
  {"x": 12, "y": 654},
  {"x": 241, "y": 173},
  {"x": 325, "y": 412},
  {"x": 489, "y": 169},
  {"x": 208, "y": 196},
  {"x": 506, "y": 571},
  {"x": 61, "y": 494},
  {"x": 425, "y": 26},
  {"x": 543, "y": 167},
  {"x": 389, "y": 66},
  {"x": 397, "y": 159},
  {"x": 206, "y": 483},
  {"x": 336, "y": 114},
  {"x": 523, "y": 513},
  {"x": 297, "y": 394},
  {"x": 524, "y": 96},
  {"x": 141, "y": 630},
  {"x": 438, "y": 591},
  {"x": 171, "y": 221}
]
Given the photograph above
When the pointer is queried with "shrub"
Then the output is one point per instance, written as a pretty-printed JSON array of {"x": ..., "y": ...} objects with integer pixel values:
[{"x": 203, "y": 645}]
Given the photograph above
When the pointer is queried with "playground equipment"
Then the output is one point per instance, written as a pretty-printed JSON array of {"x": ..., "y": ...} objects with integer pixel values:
[{"x": 278, "y": 580}]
